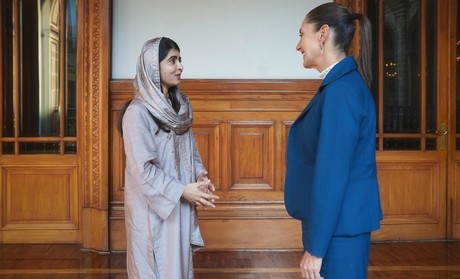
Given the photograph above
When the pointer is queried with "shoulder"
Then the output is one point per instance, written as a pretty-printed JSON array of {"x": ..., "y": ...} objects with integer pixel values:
[
  {"x": 137, "y": 114},
  {"x": 136, "y": 109},
  {"x": 340, "y": 89},
  {"x": 137, "y": 105},
  {"x": 348, "y": 93},
  {"x": 352, "y": 83}
]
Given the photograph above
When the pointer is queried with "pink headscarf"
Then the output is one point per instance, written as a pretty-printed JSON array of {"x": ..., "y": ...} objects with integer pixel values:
[{"x": 147, "y": 89}]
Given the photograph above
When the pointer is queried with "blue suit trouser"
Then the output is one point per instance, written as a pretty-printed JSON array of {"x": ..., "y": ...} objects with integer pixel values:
[{"x": 347, "y": 257}]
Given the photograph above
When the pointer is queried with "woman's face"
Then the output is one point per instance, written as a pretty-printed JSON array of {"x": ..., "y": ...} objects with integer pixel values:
[
  {"x": 171, "y": 70},
  {"x": 309, "y": 45}
]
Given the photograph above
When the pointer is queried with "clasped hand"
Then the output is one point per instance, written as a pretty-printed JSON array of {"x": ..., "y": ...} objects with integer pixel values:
[{"x": 200, "y": 193}]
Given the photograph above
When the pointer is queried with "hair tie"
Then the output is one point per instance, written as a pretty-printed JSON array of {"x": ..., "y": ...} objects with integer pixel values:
[{"x": 354, "y": 16}]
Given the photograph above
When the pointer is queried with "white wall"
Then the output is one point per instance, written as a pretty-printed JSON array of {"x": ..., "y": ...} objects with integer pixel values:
[{"x": 243, "y": 39}]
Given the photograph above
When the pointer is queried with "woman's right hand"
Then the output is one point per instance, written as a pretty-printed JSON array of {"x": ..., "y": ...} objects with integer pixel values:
[{"x": 196, "y": 196}]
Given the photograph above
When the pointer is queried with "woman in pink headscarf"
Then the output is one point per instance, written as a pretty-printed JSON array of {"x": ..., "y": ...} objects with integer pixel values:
[{"x": 164, "y": 178}]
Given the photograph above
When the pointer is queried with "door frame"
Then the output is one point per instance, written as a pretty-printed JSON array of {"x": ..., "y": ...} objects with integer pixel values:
[{"x": 453, "y": 157}]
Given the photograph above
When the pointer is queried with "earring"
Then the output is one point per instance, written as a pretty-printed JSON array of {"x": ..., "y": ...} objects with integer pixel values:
[{"x": 321, "y": 48}]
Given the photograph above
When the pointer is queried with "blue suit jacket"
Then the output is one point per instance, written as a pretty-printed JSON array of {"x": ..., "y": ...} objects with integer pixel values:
[{"x": 331, "y": 180}]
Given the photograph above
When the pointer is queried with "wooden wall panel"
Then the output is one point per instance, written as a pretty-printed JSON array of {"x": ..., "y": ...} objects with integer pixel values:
[
  {"x": 208, "y": 144},
  {"x": 117, "y": 162},
  {"x": 241, "y": 128},
  {"x": 251, "y": 155},
  {"x": 40, "y": 204},
  {"x": 263, "y": 234},
  {"x": 117, "y": 234}
]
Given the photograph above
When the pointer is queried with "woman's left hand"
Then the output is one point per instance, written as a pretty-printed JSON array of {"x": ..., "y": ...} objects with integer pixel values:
[
  {"x": 196, "y": 196},
  {"x": 310, "y": 266},
  {"x": 203, "y": 177}
]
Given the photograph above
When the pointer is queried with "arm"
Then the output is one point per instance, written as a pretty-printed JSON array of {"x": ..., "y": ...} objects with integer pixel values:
[{"x": 199, "y": 168}]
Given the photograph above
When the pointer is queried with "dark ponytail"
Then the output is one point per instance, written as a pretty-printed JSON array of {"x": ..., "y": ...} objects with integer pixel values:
[
  {"x": 365, "y": 52},
  {"x": 342, "y": 21}
]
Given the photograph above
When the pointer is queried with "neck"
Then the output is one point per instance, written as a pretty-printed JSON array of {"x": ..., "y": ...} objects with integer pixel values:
[
  {"x": 330, "y": 59},
  {"x": 166, "y": 92}
]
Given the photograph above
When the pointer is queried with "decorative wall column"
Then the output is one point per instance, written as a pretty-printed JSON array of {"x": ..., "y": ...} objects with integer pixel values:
[{"x": 94, "y": 62}]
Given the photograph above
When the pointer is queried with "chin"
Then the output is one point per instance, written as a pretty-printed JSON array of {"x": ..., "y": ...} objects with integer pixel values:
[{"x": 306, "y": 65}]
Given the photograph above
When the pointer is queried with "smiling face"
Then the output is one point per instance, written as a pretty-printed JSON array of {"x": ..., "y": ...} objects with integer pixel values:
[
  {"x": 171, "y": 70},
  {"x": 309, "y": 45}
]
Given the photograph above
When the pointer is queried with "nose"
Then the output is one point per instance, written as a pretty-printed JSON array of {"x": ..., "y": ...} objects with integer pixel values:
[
  {"x": 297, "y": 47},
  {"x": 180, "y": 66}
]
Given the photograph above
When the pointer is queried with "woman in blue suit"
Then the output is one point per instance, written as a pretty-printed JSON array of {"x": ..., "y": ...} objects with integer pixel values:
[{"x": 331, "y": 181}]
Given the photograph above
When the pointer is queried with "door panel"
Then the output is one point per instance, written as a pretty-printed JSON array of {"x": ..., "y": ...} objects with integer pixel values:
[
  {"x": 39, "y": 200},
  {"x": 412, "y": 195},
  {"x": 411, "y": 92},
  {"x": 208, "y": 141}
]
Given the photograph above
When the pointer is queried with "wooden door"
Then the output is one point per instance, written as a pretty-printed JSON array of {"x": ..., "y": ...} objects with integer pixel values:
[
  {"x": 54, "y": 113},
  {"x": 39, "y": 199},
  {"x": 412, "y": 91}
]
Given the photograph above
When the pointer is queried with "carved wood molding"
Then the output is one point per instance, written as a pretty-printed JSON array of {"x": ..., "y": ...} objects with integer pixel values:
[
  {"x": 95, "y": 33},
  {"x": 122, "y": 89}
]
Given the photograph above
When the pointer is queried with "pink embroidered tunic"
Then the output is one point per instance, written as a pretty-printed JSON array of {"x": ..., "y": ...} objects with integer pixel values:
[{"x": 161, "y": 227}]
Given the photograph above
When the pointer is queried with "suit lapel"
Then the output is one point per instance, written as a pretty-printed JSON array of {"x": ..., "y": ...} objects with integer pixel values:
[
  {"x": 308, "y": 107},
  {"x": 345, "y": 66}
]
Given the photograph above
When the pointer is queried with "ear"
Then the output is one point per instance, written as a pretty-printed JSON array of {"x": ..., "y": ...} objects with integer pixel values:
[{"x": 323, "y": 33}]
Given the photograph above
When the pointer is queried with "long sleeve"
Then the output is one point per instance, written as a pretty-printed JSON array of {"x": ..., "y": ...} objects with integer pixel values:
[
  {"x": 338, "y": 137},
  {"x": 143, "y": 162},
  {"x": 199, "y": 168}
]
